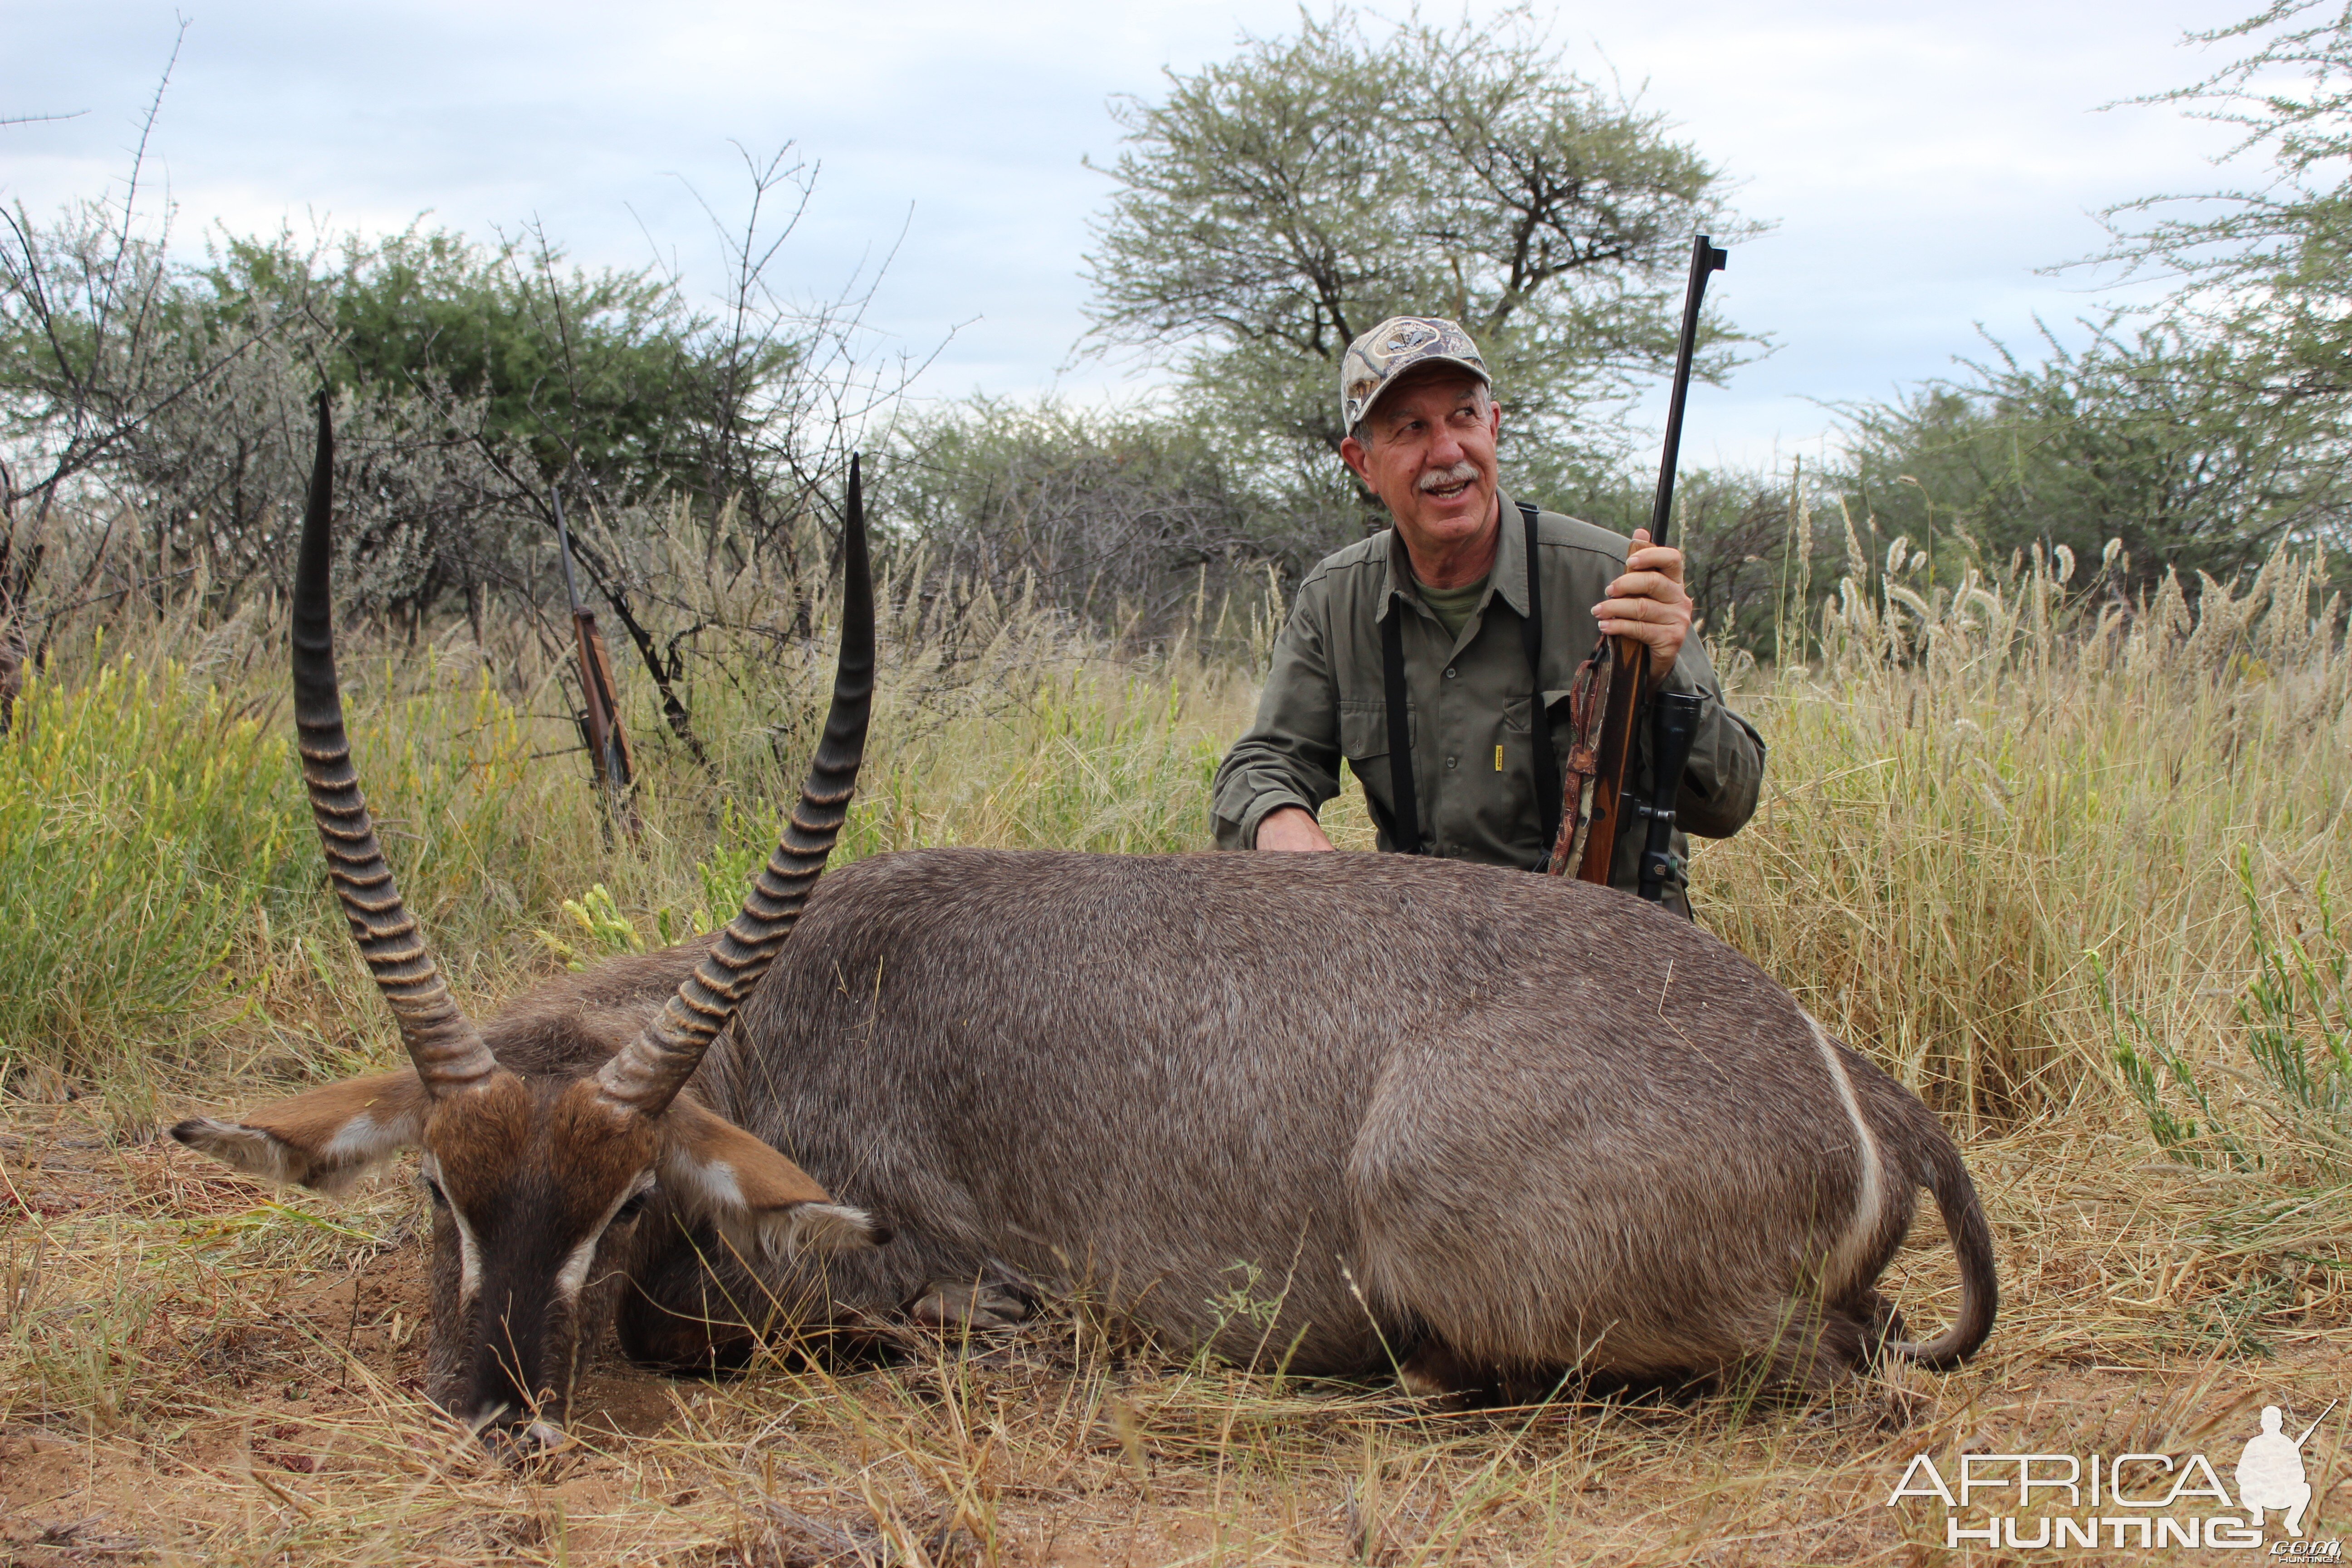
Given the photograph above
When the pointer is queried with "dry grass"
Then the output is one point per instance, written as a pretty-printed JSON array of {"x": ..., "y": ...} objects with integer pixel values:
[
  {"x": 1968, "y": 798},
  {"x": 198, "y": 1371},
  {"x": 1960, "y": 841}
]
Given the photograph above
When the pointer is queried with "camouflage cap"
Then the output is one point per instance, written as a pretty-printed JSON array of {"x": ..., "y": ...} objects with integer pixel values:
[{"x": 1374, "y": 361}]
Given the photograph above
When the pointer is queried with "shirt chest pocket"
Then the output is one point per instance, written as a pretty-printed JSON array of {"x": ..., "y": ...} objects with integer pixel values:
[
  {"x": 1364, "y": 729},
  {"x": 1515, "y": 715}
]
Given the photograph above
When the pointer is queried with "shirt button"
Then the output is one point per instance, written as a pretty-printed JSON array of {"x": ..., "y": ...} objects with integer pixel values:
[
  {"x": 1449, "y": 672},
  {"x": 1451, "y": 761}
]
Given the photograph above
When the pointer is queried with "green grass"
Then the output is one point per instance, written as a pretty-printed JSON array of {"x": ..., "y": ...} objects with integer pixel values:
[
  {"x": 146, "y": 830},
  {"x": 166, "y": 905}
]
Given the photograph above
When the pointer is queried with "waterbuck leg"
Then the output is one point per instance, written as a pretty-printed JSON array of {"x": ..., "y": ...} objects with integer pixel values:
[
  {"x": 1436, "y": 1371},
  {"x": 969, "y": 1305},
  {"x": 1817, "y": 1348},
  {"x": 685, "y": 1310}
]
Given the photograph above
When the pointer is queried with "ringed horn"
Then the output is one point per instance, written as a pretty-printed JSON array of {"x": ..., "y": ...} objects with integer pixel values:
[
  {"x": 447, "y": 1049},
  {"x": 650, "y": 1069},
  {"x": 443, "y": 1043}
]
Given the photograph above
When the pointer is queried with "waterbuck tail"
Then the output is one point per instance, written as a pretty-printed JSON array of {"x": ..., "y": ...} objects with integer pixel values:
[
  {"x": 1964, "y": 1221},
  {"x": 650, "y": 1070},
  {"x": 446, "y": 1049}
]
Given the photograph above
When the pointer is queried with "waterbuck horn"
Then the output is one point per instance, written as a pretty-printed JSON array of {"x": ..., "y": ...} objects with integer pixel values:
[
  {"x": 447, "y": 1050},
  {"x": 650, "y": 1070}
]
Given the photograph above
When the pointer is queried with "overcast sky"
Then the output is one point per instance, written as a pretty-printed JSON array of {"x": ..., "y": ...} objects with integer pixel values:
[{"x": 1920, "y": 162}]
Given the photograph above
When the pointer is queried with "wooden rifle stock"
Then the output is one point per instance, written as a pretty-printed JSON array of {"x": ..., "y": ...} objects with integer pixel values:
[
  {"x": 1620, "y": 706},
  {"x": 1630, "y": 676}
]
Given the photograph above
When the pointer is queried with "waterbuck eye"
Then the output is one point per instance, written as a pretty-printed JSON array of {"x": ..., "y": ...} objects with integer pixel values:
[
  {"x": 440, "y": 1198},
  {"x": 633, "y": 1209}
]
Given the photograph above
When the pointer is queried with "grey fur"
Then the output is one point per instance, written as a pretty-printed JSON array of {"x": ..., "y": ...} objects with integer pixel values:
[{"x": 1504, "y": 1123}]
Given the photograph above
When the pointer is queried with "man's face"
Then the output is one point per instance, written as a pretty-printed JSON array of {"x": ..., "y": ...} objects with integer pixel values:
[{"x": 1427, "y": 451}]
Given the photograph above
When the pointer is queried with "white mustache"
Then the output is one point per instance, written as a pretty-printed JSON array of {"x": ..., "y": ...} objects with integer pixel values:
[{"x": 1461, "y": 473}]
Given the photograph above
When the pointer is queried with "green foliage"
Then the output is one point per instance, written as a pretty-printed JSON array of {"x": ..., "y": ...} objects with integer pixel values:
[
  {"x": 164, "y": 889},
  {"x": 2295, "y": 1014},
  {"x": 164, "y": 892},
  {"x": 599, "y": 369},
  {"x": 175, "y": 400},
  {"x": 145, "y": 832},
  {"x": 2298, "y": 1014},
  {"x": 1123, "y": 517},
  {"x": 599, "y": 925},
  {"x": 2151, "y": 438},
  {"x": 1273, "y": 206},
  {"x": 742, "y": 844},
  {"x": 2220, "y": 423},
  {"x": 2140, "y": 1052},
  {"x": 2269, "y": 267}
]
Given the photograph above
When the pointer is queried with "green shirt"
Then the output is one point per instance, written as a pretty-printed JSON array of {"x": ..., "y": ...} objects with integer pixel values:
[
  {"x": 1468, "y": 704},
  {"x": 1454, "y": 605}
]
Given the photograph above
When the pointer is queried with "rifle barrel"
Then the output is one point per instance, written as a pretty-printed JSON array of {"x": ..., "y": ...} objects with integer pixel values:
[
  {"x": 1706, "y": 256},
  {"x": 609, "y": 758}
]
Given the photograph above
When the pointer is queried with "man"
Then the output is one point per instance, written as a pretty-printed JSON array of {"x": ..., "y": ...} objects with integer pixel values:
[{"x": 1423, "y": 423}]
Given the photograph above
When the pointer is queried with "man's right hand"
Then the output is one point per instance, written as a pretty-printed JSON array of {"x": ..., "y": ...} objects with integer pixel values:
[{"x": 1291, "y": 827}]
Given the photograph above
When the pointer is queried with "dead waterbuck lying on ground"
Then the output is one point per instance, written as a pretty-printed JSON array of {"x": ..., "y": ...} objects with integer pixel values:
[{"x": 1482, "y": 1126}]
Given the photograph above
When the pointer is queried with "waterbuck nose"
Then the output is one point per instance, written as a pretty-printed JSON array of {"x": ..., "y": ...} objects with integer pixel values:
[{"x": 537, "y": 1439}]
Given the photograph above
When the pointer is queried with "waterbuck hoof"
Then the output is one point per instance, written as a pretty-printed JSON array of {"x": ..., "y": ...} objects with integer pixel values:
[
  {"x": 969, "y": 1308},
  {"x": 523, "y": 1445}
]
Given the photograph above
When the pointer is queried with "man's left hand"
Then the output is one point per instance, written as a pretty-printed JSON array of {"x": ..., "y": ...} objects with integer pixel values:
[{"x": 1647, "y": 604}]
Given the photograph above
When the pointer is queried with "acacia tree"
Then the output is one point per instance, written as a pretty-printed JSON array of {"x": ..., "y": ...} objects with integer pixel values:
[
  {"x": 2151, "y": 437},
  {"x": 1274, "y": 206},
  {"x": 2268, "y": 265},
  {"x": 2218, "y": 424},
  {"x": 2226, "y": 424}
]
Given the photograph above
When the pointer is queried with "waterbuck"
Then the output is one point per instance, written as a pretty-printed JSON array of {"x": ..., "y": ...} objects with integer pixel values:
[{"x": 1335, "y": 1112}]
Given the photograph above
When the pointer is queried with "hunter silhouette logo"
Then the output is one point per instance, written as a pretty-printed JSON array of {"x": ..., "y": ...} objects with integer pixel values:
[
  {"x": 2270, "y": 1471},
  {"x": 2150, "y": 1501}
]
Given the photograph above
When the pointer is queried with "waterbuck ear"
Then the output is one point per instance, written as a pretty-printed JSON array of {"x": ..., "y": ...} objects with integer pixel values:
[
  {"x": 765, "y": 1207},
  {"x": 327, "y": 1139}
]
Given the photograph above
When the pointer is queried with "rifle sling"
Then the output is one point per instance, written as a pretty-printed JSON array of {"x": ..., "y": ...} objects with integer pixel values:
[
  {"x": 1548, "y": 797},
  {"x": 1404, "y": 827}
]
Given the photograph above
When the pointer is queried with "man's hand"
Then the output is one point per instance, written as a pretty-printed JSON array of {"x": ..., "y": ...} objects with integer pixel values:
[
  {"x": 1647, "y": 604},
  {"x": 1291, "y": 827}
]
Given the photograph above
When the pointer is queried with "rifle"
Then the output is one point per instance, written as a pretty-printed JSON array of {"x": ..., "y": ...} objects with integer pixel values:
[
  {"x": 1675, "y": 721},
  {"x": 611, "y": 760}
]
